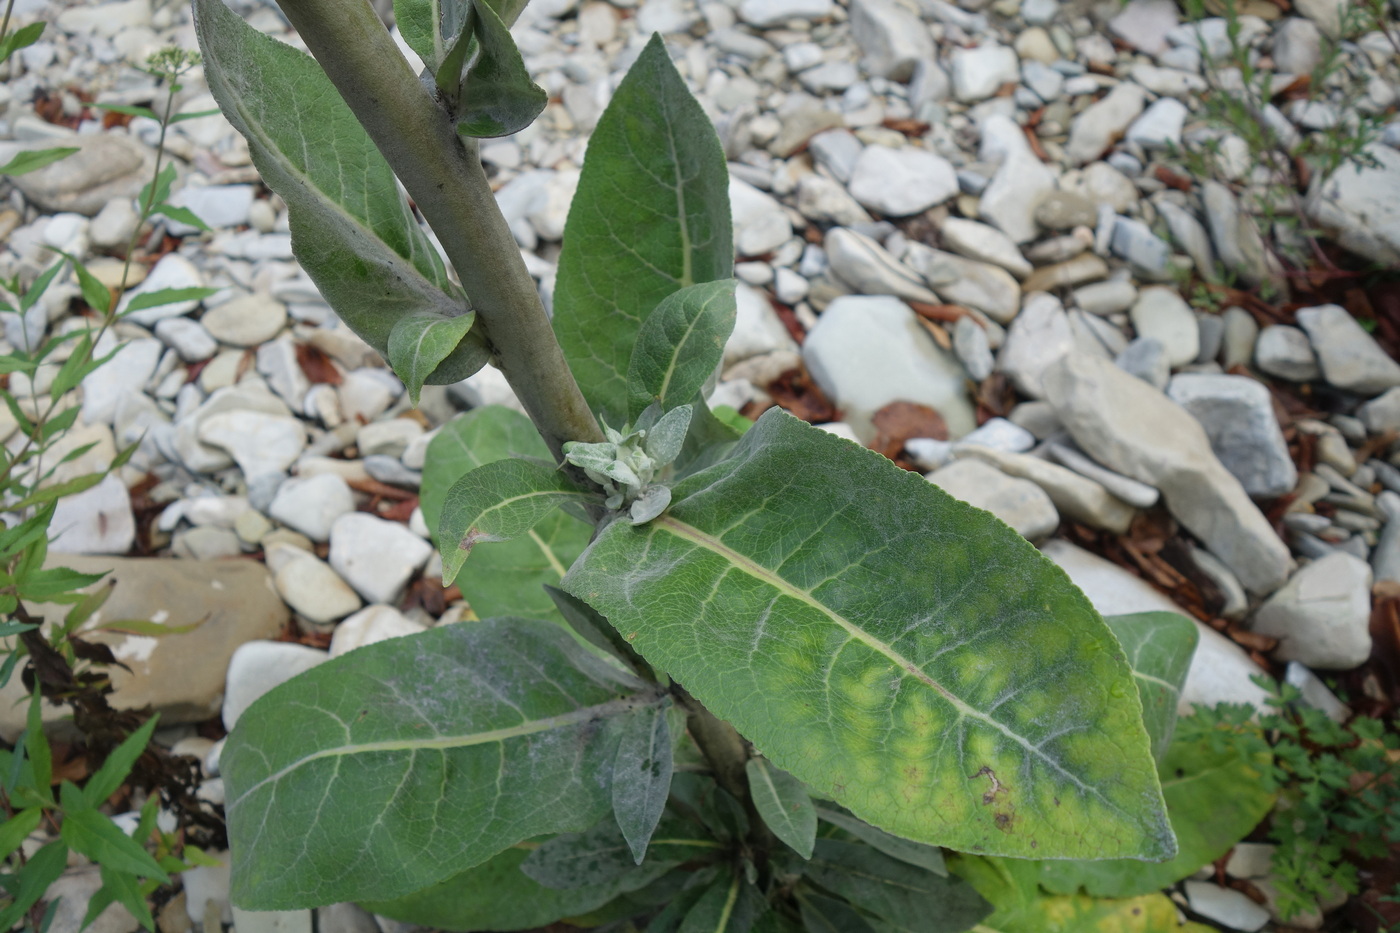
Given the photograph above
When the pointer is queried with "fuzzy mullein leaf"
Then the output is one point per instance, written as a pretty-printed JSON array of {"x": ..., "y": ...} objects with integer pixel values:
[
  {"x": 893, "y": 648},
  {"x": 642, "y": 778},
  {"x": 403, "y": 763},
  {"x": 353, "y": 230},
  {"x": 651, "y": 216},
  {"x": 422, "y": 340},
  {"x": 784, "y": 804},
  {"x": 497, "y": 96},
  {"x": 1159, "y": 646},
  {"x": 498, "y": 502},
  {"x": 667, "y": 436},
  {"x": 680, "y": 345},
  {"x": 651, "y": 503}
]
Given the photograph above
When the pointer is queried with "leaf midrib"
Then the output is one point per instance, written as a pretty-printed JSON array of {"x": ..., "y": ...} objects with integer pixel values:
[
  {"x": 965, "y": 710},
  {"x": 448, "y": 742},
  {"x": 275, "y": 153}
]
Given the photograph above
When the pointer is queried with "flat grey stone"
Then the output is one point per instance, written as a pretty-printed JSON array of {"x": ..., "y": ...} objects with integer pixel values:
[
  {"x": 901, "y": 182},
  {"x": 1350, "y": 358},
  {"x": 1285, "y": 352},
  {"x": 375, "y": 556},
  {"x": 1134, "y": 429},
  {"x": 1020, "y": 503},
  {"x": 1321, "y": 616}
]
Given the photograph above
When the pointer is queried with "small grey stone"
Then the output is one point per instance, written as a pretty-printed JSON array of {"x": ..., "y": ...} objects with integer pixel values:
[
  {"x": 1065, "y": 210},
  {"x": 246, "y": 321},
  {"x": 985, "y": 244},
  {"x": 1146, "y": 358},
  {"x": 1037, "y": 337},
  {"x": 1191, "y": 236},
  {"x": 999, "y": 434},
  {"x": 311, "y": 504},
  {"x": 971, "y": 345},
  {"x": 1094, "y": 130},
  {"x": 188, "y": 338},
  {"x": 1134, "y": 241},
  {"x": 979, "y": 71},
  {"x": 1212, "y": 330},
  {"x": 1315, "y": 694},
  {"x": 766, "y": 13},
  {"x": 1160, "y": 125},
  {"x": 105, "y": 167},
  {"x": 891, "y": 38},
  {"x": 1382, "y": 413},
  {"x": 95, "y": 521},
  {"x": 867, "y": 267},
  {"x": 1137, "y": 494},
  {"x": 1238, "y": 416},
  {"x": 1241, "y": 331},
  {"x": 760, "y": 223},
  {"x": 1160, "y": 313},
  {"x": 1226, "y": 906},
  {"x": 838, "y": 151},
  {"x": 171, "y": 271},
  {"x": 1285, "y": 352},
  {"x": 389, "y": 469}
]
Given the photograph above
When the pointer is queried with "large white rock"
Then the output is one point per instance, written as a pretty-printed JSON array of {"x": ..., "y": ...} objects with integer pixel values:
[
  {"x": 901, "y": 182},
  {"x": 984, "y": 244},
  {"x": 1238, "y": 415},
  {"x": 1019, "y": 502},
  {"x": 978, "y": 72},
  {"x": 125, "y": 374},
  {"x": 1220, "y": 671},
  {"x": 370, "y": 625},
  {"x": 1362, "y": 206},
  {"x": 258, "y": 666},
  {"x": 375, "y": 556},
  {"x": 311, "y": 504},
  {"x": 760, "y": 223},
  {"x": 891, "y": 37},
  {"x": 757, "y": 329},
  {"x": 258, "y": 442},
  {"x": 1129, "y": 426},
  {"x": 868, "y": 351},
  {"x": 764, "y": 13},
  {"x": 1097, "y": 127},
  {"x": 1322, "y": 615},
  {"x": 1038, "y": 336},
  {"x": 94, "y": 521},
  {"x": 171, "y": 271},
  {"x": 1010, "y": 199}
]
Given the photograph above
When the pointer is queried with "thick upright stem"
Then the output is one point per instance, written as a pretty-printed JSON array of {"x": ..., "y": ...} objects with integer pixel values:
[{"x": 444, "y": 176}]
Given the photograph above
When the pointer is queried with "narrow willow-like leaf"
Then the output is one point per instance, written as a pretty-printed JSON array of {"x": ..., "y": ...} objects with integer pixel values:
[
  {"x": 929, "y": 858},
  {"x": 506, "y": 578},
  {"x": 419, "y": 342},
  {"x": 499, "y": 501},
  {"x": 498, "y": 98},
  {"x": 784, "y": 804},
  {"x": 651, "y": 216},
  {"x": 1159, "y": 646},
  {"x": 398, "y": 765},
  {"x": 892, "y": 647},
  {"x": 679, "y": 346},
  {"x": 495, "y": 895},
  {"x": 587, "y": 623},
  {"x": 905, "y": 898},
  {"x": 642, "y": 778},
  {"x": 34, "y": 159},
  {"x": 1215, "y": 797},
  {"x": 352, "y": 230}
]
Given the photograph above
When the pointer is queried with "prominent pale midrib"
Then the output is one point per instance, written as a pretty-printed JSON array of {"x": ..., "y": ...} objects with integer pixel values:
[
  {"x": 1148, "y": 678},
  {"x": 548, "y": 553},
  {"x": 700, "y": 539},
  {"x": 447, "y": 742},
  {"x": 504, "y": 504},
  {"x": 679, "y": 347}
]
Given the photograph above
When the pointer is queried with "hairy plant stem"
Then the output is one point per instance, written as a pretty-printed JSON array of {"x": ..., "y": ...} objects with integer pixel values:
[{"x": 443, "y": 175}]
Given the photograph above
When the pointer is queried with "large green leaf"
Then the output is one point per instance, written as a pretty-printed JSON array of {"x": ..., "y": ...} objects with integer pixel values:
[
  {"x": 651, "y": 216},
  {"x": 1215, "y": 797},
  {"x": 421, "y": 341},
  {"x": 905, "y": 898},
  {"x": 784, "y": 804},
  {"x": 1159, "y": 646},
  {"x": 892, "y": 647},
  {"x": 499, "y": 501},
  {"x": 929, "y": 858},
  {"x": 497, "y": 98},
  {"x": 680, "y": 345},
  {"x": 393, "y": 767},
  {"x": 495, "y": 895},
  {"x": 352, "y": 230},
  {"x": 506, "y": 578}
]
